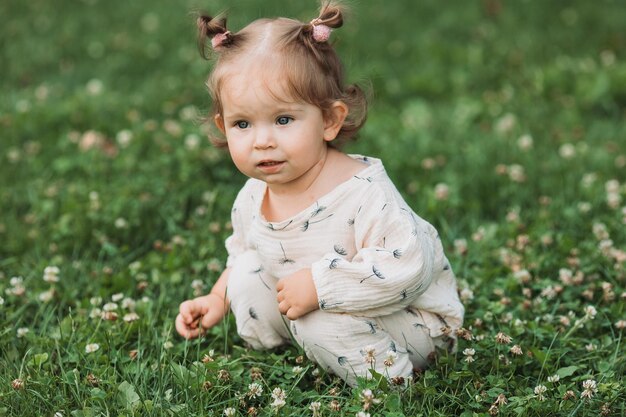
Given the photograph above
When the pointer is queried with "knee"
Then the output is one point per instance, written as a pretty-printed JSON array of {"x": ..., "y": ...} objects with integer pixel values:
[
  {"x": 244, "y": 276},
  {"x": 320, "y": 328}
]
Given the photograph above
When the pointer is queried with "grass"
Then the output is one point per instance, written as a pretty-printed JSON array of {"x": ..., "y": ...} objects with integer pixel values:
[{"x": 501, "y": 123}]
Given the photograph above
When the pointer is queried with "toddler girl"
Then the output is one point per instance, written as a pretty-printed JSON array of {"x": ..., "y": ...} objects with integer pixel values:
[{"x": 324, "y": 249}]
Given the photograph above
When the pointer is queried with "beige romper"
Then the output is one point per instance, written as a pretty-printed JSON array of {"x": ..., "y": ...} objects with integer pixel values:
[{"x": 386, "y": 291}]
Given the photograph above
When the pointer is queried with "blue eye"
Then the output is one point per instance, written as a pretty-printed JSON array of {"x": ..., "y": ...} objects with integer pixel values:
[
  {"x": 242, "y": 124},
  {"x": 283, "y": 120}
]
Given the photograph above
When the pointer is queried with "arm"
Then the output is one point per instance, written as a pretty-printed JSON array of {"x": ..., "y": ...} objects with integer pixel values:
[
  {"x": 397, "y": 254},
  {"x": 201, "y": 313}
]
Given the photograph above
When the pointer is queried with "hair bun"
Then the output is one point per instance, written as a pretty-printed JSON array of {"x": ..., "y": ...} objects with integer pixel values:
[{"x": 213, "y": 28}]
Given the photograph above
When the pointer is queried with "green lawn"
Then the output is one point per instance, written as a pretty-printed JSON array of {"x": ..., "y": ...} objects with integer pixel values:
[{"x": 502, "y": 123}]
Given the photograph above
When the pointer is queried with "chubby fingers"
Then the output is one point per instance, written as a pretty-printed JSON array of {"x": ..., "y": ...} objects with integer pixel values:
[
  {"x": 186, "y": 330},
  {"x": 283, "y": 307},
  {"x": 187, "y": 311}
]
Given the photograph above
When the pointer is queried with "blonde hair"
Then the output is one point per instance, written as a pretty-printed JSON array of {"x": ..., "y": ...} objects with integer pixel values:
[{"x": 311, "y": 68}]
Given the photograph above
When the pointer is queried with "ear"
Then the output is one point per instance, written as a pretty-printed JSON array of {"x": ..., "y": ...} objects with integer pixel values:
[
  {"x": 333, "y": 120},
  {"x": 219, "y": 122}
]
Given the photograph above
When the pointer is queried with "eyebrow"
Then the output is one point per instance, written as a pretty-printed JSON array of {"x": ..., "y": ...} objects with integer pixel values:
[{"x": 281, "y": 110}]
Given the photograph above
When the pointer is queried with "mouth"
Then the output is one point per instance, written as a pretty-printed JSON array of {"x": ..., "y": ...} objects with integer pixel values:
[
  {"x": 269, "y": 167},
  {"x": 269, "y": 163}
]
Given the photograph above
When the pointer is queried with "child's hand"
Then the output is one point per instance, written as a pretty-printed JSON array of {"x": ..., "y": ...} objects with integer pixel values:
[
  {"x": 199, "y": 314},
  {"x": 297, "y": 295}
]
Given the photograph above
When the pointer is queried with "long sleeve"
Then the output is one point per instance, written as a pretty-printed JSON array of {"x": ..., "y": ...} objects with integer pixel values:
[
  {"x": 393, "y": 265},
  {"x": 240, "y": 217}
]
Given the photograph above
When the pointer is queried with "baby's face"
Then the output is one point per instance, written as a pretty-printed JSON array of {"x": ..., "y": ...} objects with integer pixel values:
[{"x": 270, "y": 136}]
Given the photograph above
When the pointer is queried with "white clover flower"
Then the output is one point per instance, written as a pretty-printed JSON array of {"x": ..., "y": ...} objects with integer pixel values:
[
  {"x": 554, "y": 378},
  {"x": 95, "y": 313},
  {"x": 591, "y": 347},
  {"x": 391, "y": 358},
  {"x": 94, "y": 87},
  {"x": 525, "y": 142},
  {"x": 255, "y": 390},
  {"x": 588, "y": 179},
  {"x": 168, "y": 345},
  {"x": 92, "y": 347},
  {"x": 522, "y": 276},
  {"x": 124, "y": 137},
  {"x": 600, "y": 231},
  {"x": 590, "y": 312},
  {"x": 46, "y": 296},
  {"x": 539, "y": 391},
  {"x": 22, "y": 331},
  {"x": 1, "y": 301},
  {"x": 172, "y": 127},
  {"x": 362, "y": 414},
  {"x": 214, "y": 265},
  {"x": 517, "y": 173},
  {"x": 192, "y": 141},
  {"x": 129, "y": 304},
  {"x": 567, "y": 151},
  {"x": 278, "y": 394},
  {"x": 16, "y": 281},
  {"x": 566, "y": 276},
  {"x": 134, "y": 267},
  {"x": 466, "y": 294},
  {"x": 278, "y": 403},
  {"x": 549, "y": 292},
  {"x": 109, "y": 307},
  {"x": 613, "y": 200},
  {"x": 503, "y": 339},
  {"x": 584, "y": 207},
  {"x": 469, "y": 355},
  {"x": 369, "y": 354},
  {"x": 442, "y": 192},
  {"x": 51, "y": 274},
  {"x": 53, "y": 270},
  {"x": 506, "y": 123},
  {"x": 121, "y": 223},
  {"x": 315, "y": 407},
  {"x": 460, "y": 246},
  {"x": 188, "y": 113},
  {"x": 229, "y": 412},
  {"x": 512, "y": 216},
  {"x": 589, "y": 388},
  {"x": 130, "y": 317},
  {"x": 297, "y": 370},
  {"x": 611, "y": 186},
  {"x": 95, "y": 301}
]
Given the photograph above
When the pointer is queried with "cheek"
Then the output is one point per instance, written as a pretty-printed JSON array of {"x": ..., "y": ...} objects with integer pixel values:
[{"x": 236, "y": 151}]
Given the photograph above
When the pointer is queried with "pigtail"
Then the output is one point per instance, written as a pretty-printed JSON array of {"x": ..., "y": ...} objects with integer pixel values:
[
  {"x": 318, "y": 30},
  {"x": 213, "y": 28},
  {"x": 331, "y": 15}
]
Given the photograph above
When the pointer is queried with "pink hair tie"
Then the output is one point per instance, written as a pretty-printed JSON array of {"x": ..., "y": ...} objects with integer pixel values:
[
  {"x": 218, "y": 39},
  {"x": 321, "y": 32}
]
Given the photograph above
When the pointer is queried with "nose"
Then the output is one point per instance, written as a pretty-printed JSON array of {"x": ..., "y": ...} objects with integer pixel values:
[{"x": 264, "y": 139}]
